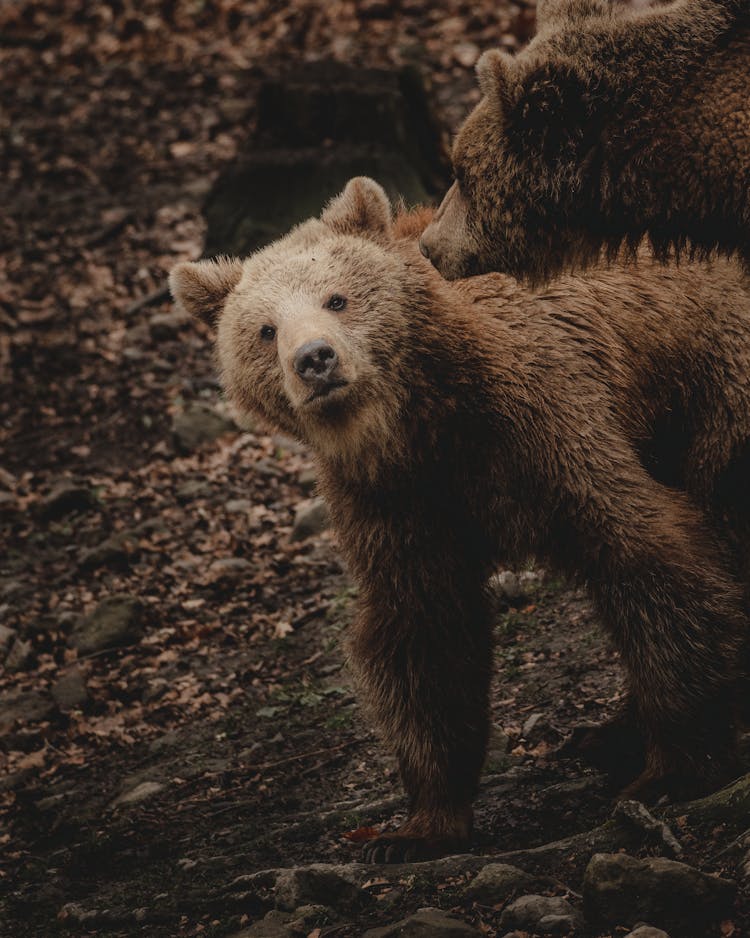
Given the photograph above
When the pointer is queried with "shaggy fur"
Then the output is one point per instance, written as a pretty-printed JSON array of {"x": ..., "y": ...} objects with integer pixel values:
[
  {"x": 603, "y": 425},
  {"x": 608, "y": 127}
]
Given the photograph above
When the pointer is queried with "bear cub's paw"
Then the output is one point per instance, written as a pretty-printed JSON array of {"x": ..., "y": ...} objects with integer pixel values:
[{"x": 420, "y": 838}]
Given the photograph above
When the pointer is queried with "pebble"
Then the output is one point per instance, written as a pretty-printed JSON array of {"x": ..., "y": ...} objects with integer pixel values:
[
  {"x": 117, "y": 620},
  {"x": 496, "y": 882},
  {"x": 25, "y": 707},
  {"x": 310, "y": 518},
  {"x": 20, "y": 655},
  {"x": 318, "y": 885},
  {"x": 69, "y": 691},
  {"x": 6, "y": 636},
  {"x": 466, "y": 54},
  {"x": 197, "y": 424},
  {"x": 545, "y": 914},
  {"x": 66, "y": 498}
]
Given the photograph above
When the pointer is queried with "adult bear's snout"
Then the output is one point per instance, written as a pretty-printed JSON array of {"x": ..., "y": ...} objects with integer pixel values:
[{"x": 315, "y": 362}]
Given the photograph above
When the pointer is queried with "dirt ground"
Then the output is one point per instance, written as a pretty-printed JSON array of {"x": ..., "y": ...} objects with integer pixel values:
[{"x": 218, "y": 735}]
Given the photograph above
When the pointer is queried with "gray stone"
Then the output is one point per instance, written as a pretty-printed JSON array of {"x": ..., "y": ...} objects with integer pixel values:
[
  {"x": 238, "y": 506},
  {"x": 307, "y": 481},
  {"x": 66, "y": 498},
  {"x": 426, "y": 923},
  {"x": 296, "y": 924},
  {"x": 647, "y": 931},
  {"x": 140, "y": 793},
  {"x": 116, "y": 621},
  {"x": 228, "y": 569},
  {"x": 6, "y": 636},
  {"x": 199, "y": 423},
  {"x": 620, "y": 890},
  {"x": 529, "y": 723},
  {"x": 111, "y": 552},
  {"x": 24, "y": 707},
  {"x": 310, "y": 518},
  {"x": 529, "y": 912},
  {"x": 20, "y": 655},
  {"x": 496, "y": 882},
  {"x": 166, "y": 326},
  {"x": 557, "y": 924},
  {"x": 69, "y": 691},
  {"x": 318, "y": 885}
]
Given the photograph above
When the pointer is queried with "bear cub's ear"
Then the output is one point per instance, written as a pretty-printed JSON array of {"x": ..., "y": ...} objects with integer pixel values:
[
  {"x": 495, "y": 75},
  {"x": 361, "y": 209},
  {"x": 201, "y": 287}
]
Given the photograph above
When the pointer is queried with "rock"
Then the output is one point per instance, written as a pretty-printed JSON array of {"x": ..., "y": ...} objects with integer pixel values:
[
  {"x": 24, "y": 707},
  {"x": 6, "y": 636},
  {"x": 111, "y": 552},
  {"x": 117, "y": 620},
  {"x": 20, "y": 655},
  {"x": 307, "y": 481},
  {"x": 310, "y": 518},
  {"x": 496, "y": 882},
  {"x": 466, "y": 54},
  {"x": 426, "y": 923},
  {"x": 140, "y": 793},
  {"x": 165, "y": 326},
  {"x": 296, "y": 924},
  {"x": 69, "y": 691},
  {"x": 620, "y": 890},
  {"x": 537, "y": 913},
  {"x": 66, "y": 498},
  {"x": 199, "y": 423},
  {"x": 528, "y": 727},
  {"x": 238, "y": 506},
  {"x": 228, "y": 570},
  {"x": 318, "y": 885},
  {"x": 647, "y": 931}
]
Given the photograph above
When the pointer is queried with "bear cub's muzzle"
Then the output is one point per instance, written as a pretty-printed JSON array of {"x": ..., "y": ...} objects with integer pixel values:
[{"x": 316, "y": 363}]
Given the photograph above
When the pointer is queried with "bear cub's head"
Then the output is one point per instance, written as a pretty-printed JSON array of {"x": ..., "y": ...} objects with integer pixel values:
[{"x": 311, "y": 330}]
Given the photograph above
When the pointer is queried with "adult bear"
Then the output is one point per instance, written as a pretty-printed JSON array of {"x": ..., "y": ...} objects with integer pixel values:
[
  {"x": 458, "y": 424},
  {"x": 608, "y": 127}
]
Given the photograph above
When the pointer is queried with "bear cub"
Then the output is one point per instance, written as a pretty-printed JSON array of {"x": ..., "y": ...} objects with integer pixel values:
[{"x": 458, "y": 424}]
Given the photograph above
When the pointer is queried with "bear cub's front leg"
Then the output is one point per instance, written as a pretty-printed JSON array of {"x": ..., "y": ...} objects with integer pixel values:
[{"x": 428, "y": 678}]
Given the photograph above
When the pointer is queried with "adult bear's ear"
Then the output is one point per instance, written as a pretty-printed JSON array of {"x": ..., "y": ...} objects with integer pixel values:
[
  {"x": 201, "y": 287},
  {"x": 361, "y": 209},
  {"x": 552, "y": 110},
  {"x": 495, "y": 76}
]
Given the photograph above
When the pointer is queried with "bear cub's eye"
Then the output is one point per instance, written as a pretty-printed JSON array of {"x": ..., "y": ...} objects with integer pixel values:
[
  {"x": 267, "y": 333},
  {"x": 336, "y": 303}
]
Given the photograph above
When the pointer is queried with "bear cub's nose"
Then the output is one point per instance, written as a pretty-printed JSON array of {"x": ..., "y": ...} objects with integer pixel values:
[{"x": 315, "y": 362}]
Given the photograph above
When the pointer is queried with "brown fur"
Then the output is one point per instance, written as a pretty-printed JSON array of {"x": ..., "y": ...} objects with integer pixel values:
[
  {"x": 608, "y": 127},
  {"x": 602, "y": 425}
]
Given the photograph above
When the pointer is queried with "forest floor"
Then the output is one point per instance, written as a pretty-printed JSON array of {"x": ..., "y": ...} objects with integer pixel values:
[{"x": 208, "y": 729}]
